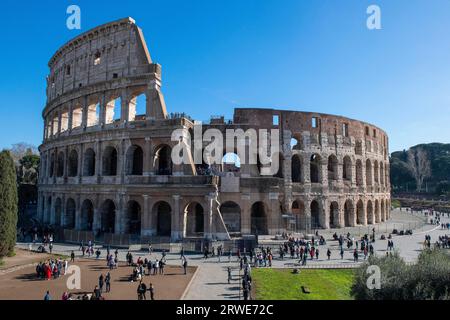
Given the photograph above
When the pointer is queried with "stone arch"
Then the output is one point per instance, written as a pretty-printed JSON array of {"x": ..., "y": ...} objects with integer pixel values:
[
  {"x": 49, "y": 210},
  {"x": 58, "y": 212},
  {"x": 298, "y": 211},
  {"x": 332, "y": 168},
  {"x": 360, "y": 213},
  {"x": 349, "y": 213},
  {"x": 377, "y": 211},
  {"x": 381, "y": 173},
  {"x": 194, "y": 220},
  {"x": 315, "y": 214},
  {"x": 163, "y": 160},
  {"x": 370, "y": 216},
  {"x": 334, "y": 215},
  {"x": 133, "y": 218},
  {"x": 70, "y": 214},
  {"x": 314, "y": 167},
  {"x": 231, "y": 214},
  {"x": 135, "y": 161},
  {"x": 52, "y": 164},
  {"x": 296, "y": 169},
  {"x": 72, "y": 170},
  {"x": 368, "y": 173},
  {"x": 60, "y": 165},
  {"x": 347, "y": 169},
  {"x": 89, "y": 163},
  {"x": 163, "y": 213},
  {"x": 109, "y": 161},
  {"x": 259, "y": 218},
  {"x": 375, "y": 172},
  {"x": 87, "y": 215},
  {"x": 108, "y": 216},
  {"x": 359, "y": 173}
]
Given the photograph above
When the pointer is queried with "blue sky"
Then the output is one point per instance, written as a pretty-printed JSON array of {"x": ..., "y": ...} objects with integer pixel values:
[{"x": 314, "y": 55}]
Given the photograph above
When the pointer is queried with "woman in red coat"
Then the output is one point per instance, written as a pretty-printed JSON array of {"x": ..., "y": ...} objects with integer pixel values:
[{"x": 48, "y": 271}]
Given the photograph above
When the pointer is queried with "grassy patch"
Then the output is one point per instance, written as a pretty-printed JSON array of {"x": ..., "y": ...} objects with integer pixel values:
[
  {"x": 1, "y": 262},
  {"x": 323, "y": 284}
]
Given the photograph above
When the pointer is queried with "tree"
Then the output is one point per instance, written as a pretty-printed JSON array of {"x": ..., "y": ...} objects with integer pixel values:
[
  {"x": 8, "y": 204},
  {"x": 419, "y": 166},
  {"x": 428, "y": 278}
]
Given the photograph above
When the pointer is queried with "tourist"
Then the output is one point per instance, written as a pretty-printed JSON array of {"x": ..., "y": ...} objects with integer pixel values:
[
  {"x": 97, "y": 293},
  {"x": 48, "y": 296},
  {"x": 142, "y": 288},
  {"x": 329, "y": 253},
  {"x": 65, "y": 296},
  {"x": 185, "y": 264},
  {"x": 152, "y": 291},
  {"x": 72, "y": 256},
  {"x": 355, "y": 255},
  {"x": 108, "y": 282},
  {"x": 317, "y": 253},
  {"x": 101, "y": 282},
  {"x": 229, "y": 274},
  {"x": 342, "y": 253}
]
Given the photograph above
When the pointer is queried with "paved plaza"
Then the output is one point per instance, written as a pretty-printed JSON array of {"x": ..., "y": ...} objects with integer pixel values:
[{"x": 210, "y": 279}]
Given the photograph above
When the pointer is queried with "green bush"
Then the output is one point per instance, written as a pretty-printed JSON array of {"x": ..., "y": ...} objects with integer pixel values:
[
  {"x": 428, "y": 279},
  {"x": 8, "y": 204}
]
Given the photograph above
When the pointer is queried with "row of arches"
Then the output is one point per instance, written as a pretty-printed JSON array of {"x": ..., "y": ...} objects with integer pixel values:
[
  {"x": 334, "y": 215},
  {"x": 134, "y": 162},
  {"x": 351, "y": 214},
  {"x": 376, "y": 172}
]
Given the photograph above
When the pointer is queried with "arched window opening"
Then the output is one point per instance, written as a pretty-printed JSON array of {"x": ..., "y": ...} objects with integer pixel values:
[
  {"x": 315, "y": 169},
  {"x": 231, "y": 214},
  {"x": 109, "y": 163},
  {"x": 135, "y": 161},
  {"x": 163, "y": 160},
  {"x": 89, "y": 163},
  {"x": 296, "y": 169},
  {"x": 73, "y": 164}
]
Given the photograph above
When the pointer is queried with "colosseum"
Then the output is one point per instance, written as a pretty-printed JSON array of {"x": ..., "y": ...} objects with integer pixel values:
[{"x": 107, "y": 171}]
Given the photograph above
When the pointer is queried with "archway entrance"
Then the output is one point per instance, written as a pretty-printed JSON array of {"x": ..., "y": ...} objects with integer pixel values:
[
  {"x": 108, "y": 216},
  {"x": 194, "y": 220},
  {"x": 163, "y": 215},
  {"x": 258, "y": 219}
]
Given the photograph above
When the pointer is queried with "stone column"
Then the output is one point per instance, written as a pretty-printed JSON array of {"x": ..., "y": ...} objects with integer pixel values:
[
  {"x": 124, "y": 106},
  {"x": 70, "y": 120},
  {"x": 146, "y": 218},
  {"x": 97, "y": 221},
  {"x": 208, "y": 215},
  {"x": 308, "y": 215},
  {"x": 177, "y": 225},
  {"x": 84, "y": 115},
  {"x": 148, "y": 165},
  {"x": 245, "y": 214}
]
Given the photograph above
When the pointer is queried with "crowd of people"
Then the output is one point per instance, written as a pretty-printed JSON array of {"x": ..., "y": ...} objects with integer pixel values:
[{"x": 52, "y": 268}]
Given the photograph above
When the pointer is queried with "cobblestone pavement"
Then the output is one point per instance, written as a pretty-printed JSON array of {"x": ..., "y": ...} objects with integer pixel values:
[{"x": 210, "y": 281}]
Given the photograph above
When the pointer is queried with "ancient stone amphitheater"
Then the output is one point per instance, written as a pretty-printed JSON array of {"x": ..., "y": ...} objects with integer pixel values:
[{"x": 107, "y": 171}]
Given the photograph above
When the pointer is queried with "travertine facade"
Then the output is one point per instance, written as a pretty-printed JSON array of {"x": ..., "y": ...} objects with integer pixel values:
[{"x": 106, "y": 164}]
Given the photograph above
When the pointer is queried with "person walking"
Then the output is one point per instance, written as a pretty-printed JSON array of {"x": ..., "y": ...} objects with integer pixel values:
[
  {"x": 342, "y": 253},
  {"x": 185, "y": 264},
  {"x": 229, "y": 274},
  {"x": 108, "y": 282},
  {"x": 152, "y": 291},
  {"x": 47, "y": 296},
  {"x": 101, "y": 281},
  {"x": 329, "y": 253}
]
